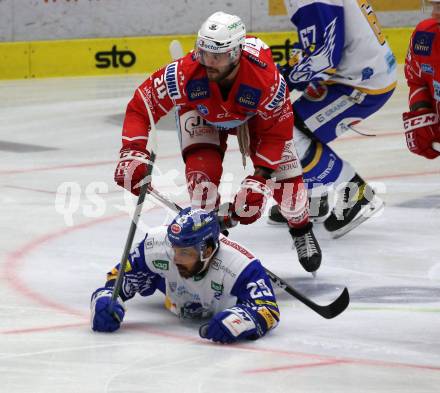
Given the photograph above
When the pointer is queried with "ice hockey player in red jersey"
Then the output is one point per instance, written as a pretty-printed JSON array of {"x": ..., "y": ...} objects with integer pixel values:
[
  {"x": 422, "y": 72},
  {"x": 229, "y": 85}
]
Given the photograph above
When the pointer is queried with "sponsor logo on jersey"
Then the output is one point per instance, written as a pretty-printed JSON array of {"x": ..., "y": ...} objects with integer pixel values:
[
  {"x": 248, "y": 96},
  {"x": 278, "y": 98},
  {"x": 149, "y": 243},
  {"x": 160, "y": 264},
  {"x": 422, "y": 43},
  {"x": 198, "y": 89},
  {"x": 251, "y": 51},
  {"x": 257, "y": 61},
  {"x": 367, "y": 73},
  {"x": 391, "y": 61},
  {"x": 268, "y": 317},
  {"x": 172, "y": 81},
  {"x": 216, "y": 264},
  {"x": 197, "y": 126},
  {"x": 203, "y": 109},
  {"x": 427, "y": 69},
  {"x": 436, "y": 90},
  {"x": 237, "y": 247},
  {"x": 216, "y": 286}
]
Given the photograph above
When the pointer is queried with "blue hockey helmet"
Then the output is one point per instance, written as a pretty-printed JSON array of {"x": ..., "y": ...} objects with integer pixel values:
[{"x": 194, "y": 228}]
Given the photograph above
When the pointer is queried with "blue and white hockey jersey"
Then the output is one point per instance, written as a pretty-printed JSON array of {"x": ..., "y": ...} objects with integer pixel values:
[
  {"x": 234, "y": 277},
  {"x": 343, "y": 43}
]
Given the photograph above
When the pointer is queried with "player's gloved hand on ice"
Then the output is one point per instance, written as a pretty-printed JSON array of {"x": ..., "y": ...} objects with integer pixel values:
[
  {"x": 422, "y": 128},
  {"x": 105, "y": 317},
  {"x": 229, "y": 326},
  {"x": 250, "y": 200},
  {"x": 132, "y": 168}
]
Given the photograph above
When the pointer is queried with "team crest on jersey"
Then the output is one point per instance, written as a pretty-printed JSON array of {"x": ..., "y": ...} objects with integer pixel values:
[
  {"x": 203, "y": 109},
  {"x": 427, "y": 69},
  {"x": 171, "y": 81},
  {"x": 422, "y": 43},
  {"x": 436, "y": 90},
  {"x": 278, "y": 98},
  {"x": 197, "y": 89},
  {"x": 248, "y": 96}
]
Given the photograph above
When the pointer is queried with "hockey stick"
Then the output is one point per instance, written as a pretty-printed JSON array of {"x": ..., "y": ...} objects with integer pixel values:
[
  {"x": 329, "y": 311},
  {"x": 144, "y": 189},
  {"x": 436, "y": 146}
]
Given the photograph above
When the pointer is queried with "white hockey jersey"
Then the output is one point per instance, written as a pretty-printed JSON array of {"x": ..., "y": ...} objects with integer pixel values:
[
  {"x": 234, "y": 277},
  {"x": 343, "y": 43}
]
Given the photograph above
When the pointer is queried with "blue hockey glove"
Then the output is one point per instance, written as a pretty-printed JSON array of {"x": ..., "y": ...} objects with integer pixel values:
[
  {"x": 105, "y": 316},
  {"x": 229, "y": 326}
]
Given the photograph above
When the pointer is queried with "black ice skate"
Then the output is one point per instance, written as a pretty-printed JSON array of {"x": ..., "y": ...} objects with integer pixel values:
[
  {"x": 355, "y": 203},
  {"x": 318, "y": 211},
  {"x": 307, "y": 247}
]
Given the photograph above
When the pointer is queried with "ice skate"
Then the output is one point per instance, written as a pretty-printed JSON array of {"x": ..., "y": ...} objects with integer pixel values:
[
  {"x": 353, "y": 207},
  {"x": 307, "y": 247}
]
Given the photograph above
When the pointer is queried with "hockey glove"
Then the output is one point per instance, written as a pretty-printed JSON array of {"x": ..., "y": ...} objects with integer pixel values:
[
  {"x": 132, "y": 168},
  {"x": 250, "y": 200},
  {"x": 229, "y": 326},
  {"x": 422, "y": 128},
  {"x": 105, "y": 317}
]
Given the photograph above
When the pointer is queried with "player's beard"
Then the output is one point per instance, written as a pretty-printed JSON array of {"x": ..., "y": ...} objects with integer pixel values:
[
  {"x": 219, "y": 74},
  {"x": 188, "y": 273}
]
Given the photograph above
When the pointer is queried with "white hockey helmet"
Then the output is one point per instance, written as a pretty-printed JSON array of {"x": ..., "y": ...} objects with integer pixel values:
[
  {"x": 428, "y": 5},
  {"x": 221, "y": 33}
]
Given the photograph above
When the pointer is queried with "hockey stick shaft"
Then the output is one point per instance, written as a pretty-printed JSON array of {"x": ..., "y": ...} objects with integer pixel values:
[
  {"x": 329, "y": 311},
  {"x": 144, "y": 189}
]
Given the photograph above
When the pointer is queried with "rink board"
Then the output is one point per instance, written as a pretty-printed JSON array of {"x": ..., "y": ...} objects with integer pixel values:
[{"x": 113, "y": 56}]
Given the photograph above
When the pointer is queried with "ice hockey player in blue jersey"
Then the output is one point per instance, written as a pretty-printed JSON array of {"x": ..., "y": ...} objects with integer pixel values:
[
  {"x": 203, "y": 275},
  {"x": 346, "y": 72}
]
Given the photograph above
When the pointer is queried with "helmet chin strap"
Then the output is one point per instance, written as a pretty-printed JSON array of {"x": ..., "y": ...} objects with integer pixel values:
[{"x": 205, "y": 261}]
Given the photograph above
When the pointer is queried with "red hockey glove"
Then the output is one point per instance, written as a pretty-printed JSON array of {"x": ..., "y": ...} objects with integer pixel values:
[
  {"x": 131, "y": 168},
  {"x": 250, "y": 200},
  {"x": 422, "y": 128}
]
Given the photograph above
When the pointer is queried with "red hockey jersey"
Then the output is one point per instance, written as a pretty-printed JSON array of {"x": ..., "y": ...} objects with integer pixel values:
[
  {"x": 422, "y": 64},
  {"x": 259, "y": 95}
]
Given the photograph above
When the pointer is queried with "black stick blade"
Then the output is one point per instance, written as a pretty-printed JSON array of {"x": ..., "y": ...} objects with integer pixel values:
[{"x": 337, "y": 307}]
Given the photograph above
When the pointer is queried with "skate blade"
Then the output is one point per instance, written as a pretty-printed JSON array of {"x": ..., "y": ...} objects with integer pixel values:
[{"x": 364, "y": 214}]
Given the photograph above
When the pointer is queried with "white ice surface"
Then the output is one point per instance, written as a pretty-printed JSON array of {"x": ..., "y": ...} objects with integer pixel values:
[{"x": 388, "y": 340}]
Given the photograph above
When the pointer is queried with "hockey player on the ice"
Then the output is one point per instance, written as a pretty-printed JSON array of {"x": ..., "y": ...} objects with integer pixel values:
[
  {"x": 202, "y": 273},
  {"x": 346, "y": 71},
  {"x": 422, "y": 71},
  {"x": 228, "y": 85}
]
